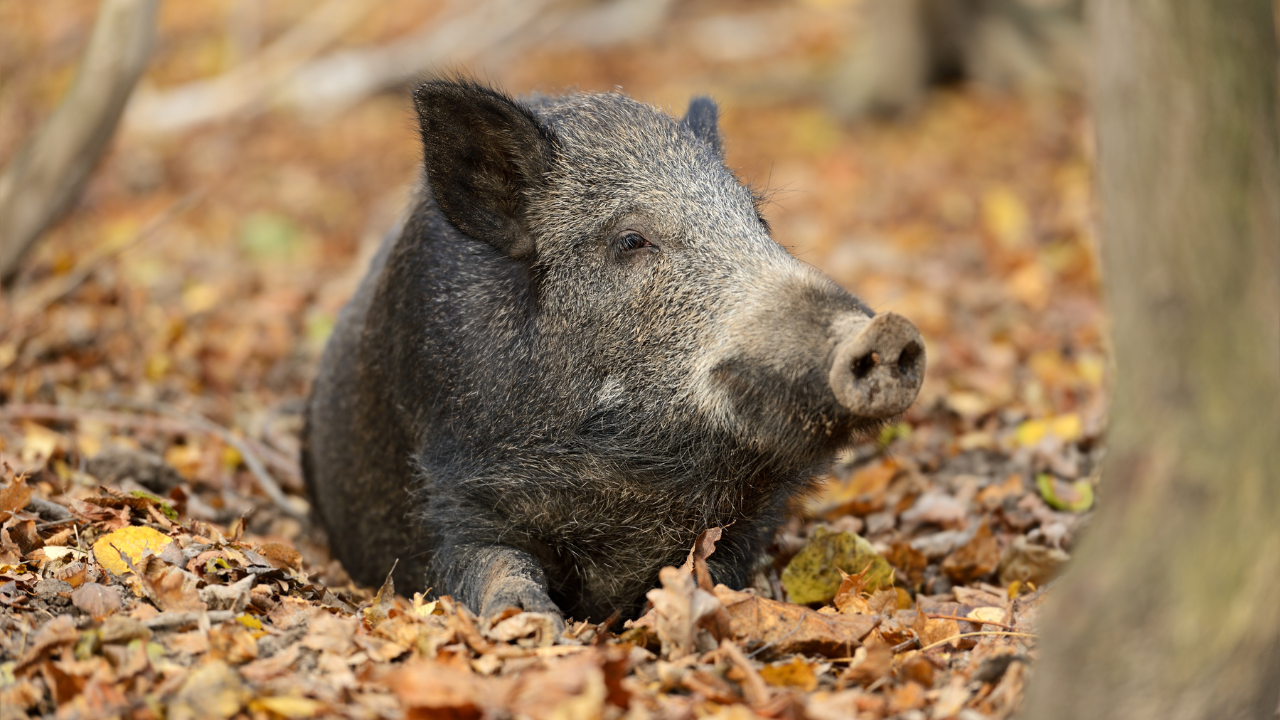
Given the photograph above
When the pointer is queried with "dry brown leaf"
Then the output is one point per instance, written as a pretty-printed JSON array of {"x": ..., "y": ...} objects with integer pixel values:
[
  {"x": 527, "y": 629},
  {"x": 976, "y": 558},
  {"x": 788, "y": 628},
  {"x": 871, "y": 663},
  {"x": 703, "y": 547},
  {"x": 281, "y": 556},
  {"x": 96, "y": 600},
  {"x": 174, "y": 590},
  {"x": 212, "y": 691},
  {"x": 58, "y": 631},
  {"x": 844, "y": 705},
  {"x": 1025, "y": 562},
  {"x": 679, "y": 607},
  {"x": 233, "y": 643},
  {"x": 906, "y": 697},
  {"x": 430, "y": 689},
  {"x": 15, "y": 496}
]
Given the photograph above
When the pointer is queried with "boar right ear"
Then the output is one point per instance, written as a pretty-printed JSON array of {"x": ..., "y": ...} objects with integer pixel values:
[
  {"x": 702, "y": 118},
  {"x": 484, "y": 152}
]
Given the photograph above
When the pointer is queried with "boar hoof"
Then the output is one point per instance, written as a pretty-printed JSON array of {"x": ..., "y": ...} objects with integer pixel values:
[{"x": 517, "y": 592}]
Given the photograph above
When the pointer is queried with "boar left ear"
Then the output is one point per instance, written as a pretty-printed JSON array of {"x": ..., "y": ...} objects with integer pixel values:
[
  {"x": 484, "y": 153},
  {"x": 702, "y": 119}
]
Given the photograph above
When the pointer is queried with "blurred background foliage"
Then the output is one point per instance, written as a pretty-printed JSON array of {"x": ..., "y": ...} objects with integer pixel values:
[{"x": 930, "y": 155}]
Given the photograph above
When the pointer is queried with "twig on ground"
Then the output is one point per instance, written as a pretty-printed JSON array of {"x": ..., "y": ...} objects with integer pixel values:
[
  {"x": 166, "y": 620},
  {"x": 775, "y": 641},
  {"x": 176, "y": 422},
  {"x": 969, "y": 620},
  {"x": 944, "y": 641}
]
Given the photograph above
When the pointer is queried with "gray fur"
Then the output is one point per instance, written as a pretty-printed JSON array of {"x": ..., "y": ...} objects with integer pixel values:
[{"x": 536, "y": 417}]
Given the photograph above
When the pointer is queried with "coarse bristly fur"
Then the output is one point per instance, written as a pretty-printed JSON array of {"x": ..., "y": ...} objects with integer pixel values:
[{"x": 582, "y": 349}]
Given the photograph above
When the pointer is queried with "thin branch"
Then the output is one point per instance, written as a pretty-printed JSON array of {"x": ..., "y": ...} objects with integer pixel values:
[
  {"x": 176, "y": 422},
  {"x": 1005, "y": 633},
  {"x": 469, "y": 30}
]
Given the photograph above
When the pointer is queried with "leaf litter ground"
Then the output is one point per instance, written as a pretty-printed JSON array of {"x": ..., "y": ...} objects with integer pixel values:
[{"x": 159, "y": 344}]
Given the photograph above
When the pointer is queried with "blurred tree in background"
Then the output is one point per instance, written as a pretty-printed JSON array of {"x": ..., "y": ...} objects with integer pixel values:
[{"x": 1173, "y": 607}]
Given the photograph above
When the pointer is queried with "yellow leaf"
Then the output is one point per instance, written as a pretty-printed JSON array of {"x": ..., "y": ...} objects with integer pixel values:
[
  {"x": 288, "y": 706},
  {"x": 1031, "y": 432},
  {"x": 200, "y": 297},
  {"x": 987, "y": 614},
  {"x": 797, "y": 674},
  {"x": 38, "y": 443},
  {"x": 1067, "y": 427},
  {"x": 1091, "y": 368},
  {"x": 422, "y": 608},
  {"x": 249, "y": 621},
  {"x": 1005, "y": 216},
  {"x": 131, "y": 541}
]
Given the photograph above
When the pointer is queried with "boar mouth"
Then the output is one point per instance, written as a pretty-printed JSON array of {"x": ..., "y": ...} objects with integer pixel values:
[{"x": 767, "y": 403}]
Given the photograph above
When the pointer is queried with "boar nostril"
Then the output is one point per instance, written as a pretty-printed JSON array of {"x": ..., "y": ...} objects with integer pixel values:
[
  {"x": 877, "y": 369},
  {"x": 910, "y": 354},
  {"x": 863, "y": 366}
]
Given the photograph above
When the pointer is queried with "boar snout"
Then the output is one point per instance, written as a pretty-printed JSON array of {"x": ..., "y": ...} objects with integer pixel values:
[{"x": 878, "y": 367}]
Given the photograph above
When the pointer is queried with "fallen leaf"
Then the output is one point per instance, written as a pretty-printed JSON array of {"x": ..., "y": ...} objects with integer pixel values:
[
  {"x": 797, "y": 674},
  {"x": 430, "y": 689},
  {"x": 861, "y": 494},
  {"x": 813, "y": 575},
  {"x": 974, "y": 559},
  {"x": 788, "y": 628},
  {"x": 380, "y": 609},
  {"x": 938, "y": 508},
  {"x": 906, "y": 697},
  {"x": 1075, "y": 497},
  {"x": 288, "y": 706},
  {"x": 281, "y": 556},
  {"x": 233, "y": 643},
  {"x": 1025, "y": 562},
  {"x": 679, "y": 606},
  {"x": 703, "y": 547},
  {"x": 987, "y": 614},
  {"x": 528, "y": 629},
  {"x": 96, "y": 600},
  {"x": 212, "y": 691},
  {"x": 133, "y": 541},
  {"x": 59, "y": 631},
  {"x": 15, "y": 496}
]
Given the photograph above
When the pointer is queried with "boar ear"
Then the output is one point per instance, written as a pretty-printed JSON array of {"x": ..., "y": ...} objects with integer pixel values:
[
  {"x": 702, "y": 119},
  {"x": 484, "y": 153}
]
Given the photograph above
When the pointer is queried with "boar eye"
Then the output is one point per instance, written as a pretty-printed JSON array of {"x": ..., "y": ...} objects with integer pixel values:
[{"x": 630, "y": 240}]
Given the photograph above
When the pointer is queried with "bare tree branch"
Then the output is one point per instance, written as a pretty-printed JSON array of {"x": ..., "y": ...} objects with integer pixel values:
[
  {"x": 46, "y": 176},
  {"x": 469, "y": 29}
]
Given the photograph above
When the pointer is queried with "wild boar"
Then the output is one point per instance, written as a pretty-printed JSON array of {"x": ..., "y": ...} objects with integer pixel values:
[{"x": 582, "y": 349}]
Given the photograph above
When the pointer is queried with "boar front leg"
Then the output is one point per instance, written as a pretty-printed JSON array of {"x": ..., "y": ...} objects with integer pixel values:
[{"x": 492, "y": 578}]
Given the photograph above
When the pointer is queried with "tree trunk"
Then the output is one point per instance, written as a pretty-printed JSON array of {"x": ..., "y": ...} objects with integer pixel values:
[
  {"x": 1172, "y": 609},
  {"x": 45, "y": 178}
]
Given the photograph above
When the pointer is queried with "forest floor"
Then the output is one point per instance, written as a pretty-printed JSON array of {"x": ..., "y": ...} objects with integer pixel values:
[{"x": 156, "y": 351}]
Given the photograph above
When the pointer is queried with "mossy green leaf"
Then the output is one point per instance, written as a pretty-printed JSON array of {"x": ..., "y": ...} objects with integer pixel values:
[
  {"x": 1075, "y": 497},
  {"x": 813, "y": 575}
]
